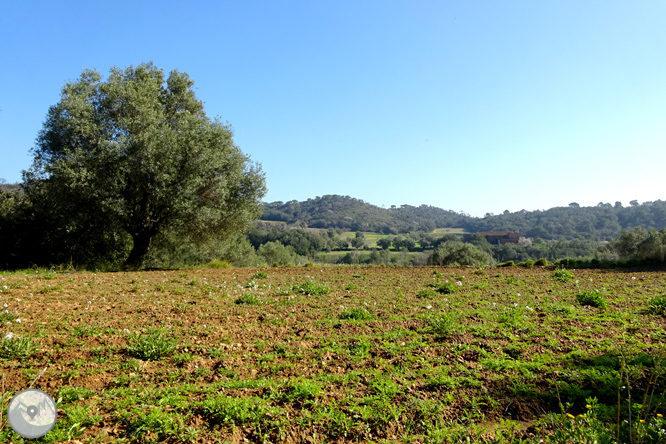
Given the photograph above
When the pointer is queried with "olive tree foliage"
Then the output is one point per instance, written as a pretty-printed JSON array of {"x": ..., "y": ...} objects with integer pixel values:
[
  {"x": 638, "y": 244},
  {"x": 134, "y": 158},
  {"x": 458, "y": 253},
  {"x": 274, "y": 253},
  {"x": 358, "y": 241}
]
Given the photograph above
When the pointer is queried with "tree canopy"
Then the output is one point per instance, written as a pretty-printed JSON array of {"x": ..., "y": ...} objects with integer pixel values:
[{"x": 135, "y": 157}]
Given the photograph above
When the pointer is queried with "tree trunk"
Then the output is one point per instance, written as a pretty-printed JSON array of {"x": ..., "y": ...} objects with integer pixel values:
[{"x": 139, "y": 249}]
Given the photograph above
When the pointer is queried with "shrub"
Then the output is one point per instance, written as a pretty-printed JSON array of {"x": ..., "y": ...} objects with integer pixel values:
[
  {"x": 507, "y": 264},
  {"x": 217, "y": 263},
  {"x": 308, "y": 264},
  {"x": 444, "y": 287},
  {"x": 562, "y": 275},
  {"x": 542, "y": 262},
  {"x": 593, "y": 298},
  {"x": 312, "y": 288},
  {"x": 277, "y": 254},
  {"x": 526, "y": 264},
  {"x": 657, "y": 305}
]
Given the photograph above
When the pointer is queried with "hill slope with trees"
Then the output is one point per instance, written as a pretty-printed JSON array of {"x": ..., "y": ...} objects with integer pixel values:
[{"x": 602, "y": 222}]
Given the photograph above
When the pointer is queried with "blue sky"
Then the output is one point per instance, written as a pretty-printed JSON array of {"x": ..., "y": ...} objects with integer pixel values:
[{"x": 474, "y": 106}]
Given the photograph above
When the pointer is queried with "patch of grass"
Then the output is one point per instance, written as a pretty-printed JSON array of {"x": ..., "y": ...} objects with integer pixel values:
[
  {"x": 561, "y": 309},
  {"x": 514, "y": 317},
  {"x": 49, "y": 289},
  {"x": 86, "y": 330},
  {"x": 231, "y": 410},
  {"x": 248, "y": 299},
  {"x": 359, "y": 347},
  {"x": 563, "y": 275},
  {"x": 70, "y": 393},
  {"x": 350, "y": 287},
  {"x": 444, "y": 325},
  {"x": 592, "y": 298},
  {"x": 260, "y": 275},
  {"x": 384, "y": 387},
  {"x": 7, "y": 316},
  {"x": 356, "y": 314},
  {"x": 515, "y": 350},
  {"x": 312, "y": 288},
  {"x": 305, "y": 391},
  {"x": 156, "y": 424},
  {"x": 251, "y": 284},
  {"x": 657, "y": 305},
  {"x": 444, "y": 287},
  {"x": 17, "y": 348},
  {"x": 151, "y": 346},
  {"x": 426, "y": 294}
]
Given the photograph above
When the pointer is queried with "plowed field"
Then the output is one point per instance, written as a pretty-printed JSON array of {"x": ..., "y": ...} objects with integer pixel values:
[{"x": 386, "y": 355}]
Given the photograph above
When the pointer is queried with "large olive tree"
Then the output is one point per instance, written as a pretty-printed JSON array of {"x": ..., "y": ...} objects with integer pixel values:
[{"x": 137, "y": 154}]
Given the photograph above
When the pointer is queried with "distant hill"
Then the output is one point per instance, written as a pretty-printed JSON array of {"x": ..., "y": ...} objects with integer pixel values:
[
  {"x": 350, "y": 214},
  {"x": 601, "y": 222}
]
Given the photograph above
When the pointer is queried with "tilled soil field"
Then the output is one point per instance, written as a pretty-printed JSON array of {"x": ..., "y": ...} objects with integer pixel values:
[{"x": 333, "y": 354}]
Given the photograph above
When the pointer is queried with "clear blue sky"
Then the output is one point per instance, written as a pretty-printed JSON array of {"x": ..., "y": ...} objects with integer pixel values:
[{"x": 474, "y": 106}]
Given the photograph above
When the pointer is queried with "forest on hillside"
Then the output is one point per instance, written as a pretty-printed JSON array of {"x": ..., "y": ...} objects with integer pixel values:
[{"x": 602, "y": 222}]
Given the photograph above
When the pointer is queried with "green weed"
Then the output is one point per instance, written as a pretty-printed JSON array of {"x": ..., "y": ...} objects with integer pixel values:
[
  {"x": 17, "y": 348},
  {"x": 248, "y": 299},
  {"x": 355, "y": 314},
  {"x": 593, "y": 298},
  {"x": 657, "y": 305},
  {"x": 312, "y": 288},
  {"x": 563, "y": 275},
  {"x": 71, "y": 393},
  {"x": 426, "y": 294},
  {"x": 150, "y": 346},
  {"x": 7, "y": 316},
  {"x": 444, "y": 325},
  {"x": 444, "y": 287}
]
